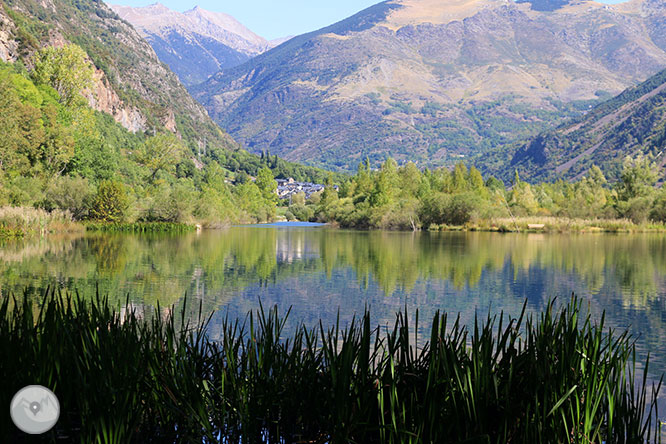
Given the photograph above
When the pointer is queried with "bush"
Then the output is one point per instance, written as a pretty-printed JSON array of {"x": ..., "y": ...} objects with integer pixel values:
[
  {"x": 449, "y": 209},
  {"x": 172, "y": 204},
  {"x": 25, "y": 191},
  {"x": 302, "y": 212},
  {"x": 73, "y": 194},
  {"x": 658, "y": 213},
  {"x": 637, "y": 209},
  {"x": 110, "y": 203}
]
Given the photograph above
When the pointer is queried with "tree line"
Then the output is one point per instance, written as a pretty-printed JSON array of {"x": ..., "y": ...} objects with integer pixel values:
[
  {"x": 405, "y": 197},
  {"x": 58, "y": 153}
]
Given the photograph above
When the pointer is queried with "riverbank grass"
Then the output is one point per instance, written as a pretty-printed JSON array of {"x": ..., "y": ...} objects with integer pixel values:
[
  {"x": 18, "y": 222},
  {"x": 554, "y": 225},
  {"x": 140, "y": 227},
  {"x": 121, "y": 377}
]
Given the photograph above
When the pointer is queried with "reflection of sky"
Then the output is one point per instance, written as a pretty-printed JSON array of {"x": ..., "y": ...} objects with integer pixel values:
[{"x": 320, "y": 273}]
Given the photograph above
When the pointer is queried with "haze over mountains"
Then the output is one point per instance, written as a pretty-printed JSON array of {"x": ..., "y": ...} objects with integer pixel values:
[
  {"x": 196, "y": 43},
  {"x": 433, "y": 81}
]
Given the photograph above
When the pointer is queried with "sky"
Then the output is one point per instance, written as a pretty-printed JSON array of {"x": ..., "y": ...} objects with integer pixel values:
[{"x": 272, "y": 18}]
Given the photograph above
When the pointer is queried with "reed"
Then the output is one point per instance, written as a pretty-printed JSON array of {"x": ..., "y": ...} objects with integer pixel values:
[
  {"x": 140, "y": 227},
  {"x": 550, "y": 224},
  {"x": 557, "y": 377},
  {"x": 16, "y": 222}
]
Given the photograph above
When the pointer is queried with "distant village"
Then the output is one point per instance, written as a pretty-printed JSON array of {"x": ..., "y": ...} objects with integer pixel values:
[{"x": 288, "y": 187}]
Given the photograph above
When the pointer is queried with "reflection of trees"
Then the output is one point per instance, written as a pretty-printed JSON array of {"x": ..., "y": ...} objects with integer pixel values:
[
  {"x": 624, "y": 274},
  {"x": 166, "y": 267}
]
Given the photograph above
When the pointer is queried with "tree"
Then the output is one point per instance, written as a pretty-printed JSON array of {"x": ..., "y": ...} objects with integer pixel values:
[
  {"x": 66, "y": 69},
  {"x": 110, "y": 203},
  {"x": 73, "y": 194},
  {"x": 638, "y": 178},
  {"x": 160, "y": 153},
  {"x": 267, "y": 185}
]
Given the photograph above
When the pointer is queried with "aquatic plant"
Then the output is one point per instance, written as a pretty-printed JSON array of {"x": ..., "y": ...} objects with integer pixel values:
[
  {"x": 127, "y": 376},
  {"x": 140, "y": 227}
]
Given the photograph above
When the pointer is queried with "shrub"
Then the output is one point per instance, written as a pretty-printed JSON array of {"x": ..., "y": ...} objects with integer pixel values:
[
  {"x": 73, "y": 194},
  {"x": 449, "y": 209},
  {"x": 173, "y": 204},
  {"x": 302, "y": 212},
  {"x": 658, "y": 213},
  {"x": 637, "y": 209},
  {"x": 110, "y": 203}
]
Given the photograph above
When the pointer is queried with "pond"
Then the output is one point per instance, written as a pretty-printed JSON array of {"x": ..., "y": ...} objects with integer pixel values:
[{"x": 323, "y": 273}]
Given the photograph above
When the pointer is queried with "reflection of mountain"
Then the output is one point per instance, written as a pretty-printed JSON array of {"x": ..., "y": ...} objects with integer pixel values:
[{"x": 319, "y": 272}]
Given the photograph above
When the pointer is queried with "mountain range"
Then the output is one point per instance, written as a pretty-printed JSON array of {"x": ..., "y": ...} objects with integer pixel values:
[
  {"x": 631, "y": 124},
  {"x": 196, "y": 43},
  {"x": 435, "y": 81}
]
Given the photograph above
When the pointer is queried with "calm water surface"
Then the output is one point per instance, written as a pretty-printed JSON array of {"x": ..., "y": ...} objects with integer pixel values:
[{"x": 321, "y": 272}]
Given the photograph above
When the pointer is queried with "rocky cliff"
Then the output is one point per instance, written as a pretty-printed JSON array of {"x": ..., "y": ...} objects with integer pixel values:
[{"x": 131, "y": 84}]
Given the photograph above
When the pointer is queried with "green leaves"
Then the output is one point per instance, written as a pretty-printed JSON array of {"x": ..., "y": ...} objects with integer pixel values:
[
  {"x": 66, "y": 69},
  {"x": 131, "y": 377}
]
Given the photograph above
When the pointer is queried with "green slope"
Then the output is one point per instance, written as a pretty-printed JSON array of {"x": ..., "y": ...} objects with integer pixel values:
[{"x": 632, "y": 123}]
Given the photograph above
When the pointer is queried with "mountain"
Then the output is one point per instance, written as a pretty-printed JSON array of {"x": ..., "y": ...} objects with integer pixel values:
[
  {"x": 131, "y": 84},
  {"x": 196, "y": 43},
  {"x": 434, "y": 81},
  {"x": 630, "y": 124}
]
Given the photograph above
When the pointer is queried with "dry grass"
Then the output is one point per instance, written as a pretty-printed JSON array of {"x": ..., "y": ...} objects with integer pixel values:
[
  {"x": 23, "y": 221},
  {"x": 555, "y": 225}
]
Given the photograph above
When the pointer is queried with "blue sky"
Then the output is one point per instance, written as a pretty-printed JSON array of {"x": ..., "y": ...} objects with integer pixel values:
[{"x": 272, "y": 18}]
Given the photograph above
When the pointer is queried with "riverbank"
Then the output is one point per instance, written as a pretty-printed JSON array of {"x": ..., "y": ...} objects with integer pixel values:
[
  {"x": 554, "y": 225},
  {"x": 19, "y": 222},
  {"x": 169, "y": 382}
]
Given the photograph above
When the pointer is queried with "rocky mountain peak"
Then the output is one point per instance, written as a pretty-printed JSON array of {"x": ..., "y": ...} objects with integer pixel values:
[{"x": 434, "y": 80}]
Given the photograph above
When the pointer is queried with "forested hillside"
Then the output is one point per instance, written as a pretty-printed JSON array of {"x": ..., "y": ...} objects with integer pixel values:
[
  {"x": 92, "y": 123},
  {"x": 631, "y": 124}
]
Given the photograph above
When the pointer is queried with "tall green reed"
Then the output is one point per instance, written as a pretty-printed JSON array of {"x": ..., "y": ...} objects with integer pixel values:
[{"x": 556, "y": 377}]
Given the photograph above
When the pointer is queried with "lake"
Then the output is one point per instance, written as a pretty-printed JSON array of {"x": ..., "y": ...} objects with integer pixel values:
[{"x": 321, "y": 273}]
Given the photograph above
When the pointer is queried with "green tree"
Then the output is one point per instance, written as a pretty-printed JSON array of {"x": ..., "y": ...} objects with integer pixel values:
[
  {"x": 638, "y": 178},
  {"x": 66, "y": 69},
  {"x": 160, "y": 153},
  {"x": 267, "y": 185},
  {"x": 70, "y": 193},
  {"x": 110, "y": 203}
]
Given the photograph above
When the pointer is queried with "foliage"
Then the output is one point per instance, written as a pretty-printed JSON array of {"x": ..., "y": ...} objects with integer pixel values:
[
  {"x": 139, "y": 227},
  {"x": 65, "y": 69},
  {"x": 161, "y": 152},
  {"x": 73, "y": 194},
  {"x": 487, "y": 384},
  {"x": 110, "y": 202},
  {"x": 406, "y": 198}
]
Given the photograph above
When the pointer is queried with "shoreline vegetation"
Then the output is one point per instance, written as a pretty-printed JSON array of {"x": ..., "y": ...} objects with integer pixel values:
[
  {"x": 20, "y": 222},
  {"x": 124, "y": 376},
  {"x": 395, "y": 197}
]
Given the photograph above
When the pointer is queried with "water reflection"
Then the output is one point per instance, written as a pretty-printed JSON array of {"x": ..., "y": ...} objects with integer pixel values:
[{"x": 322, "y": 272}]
